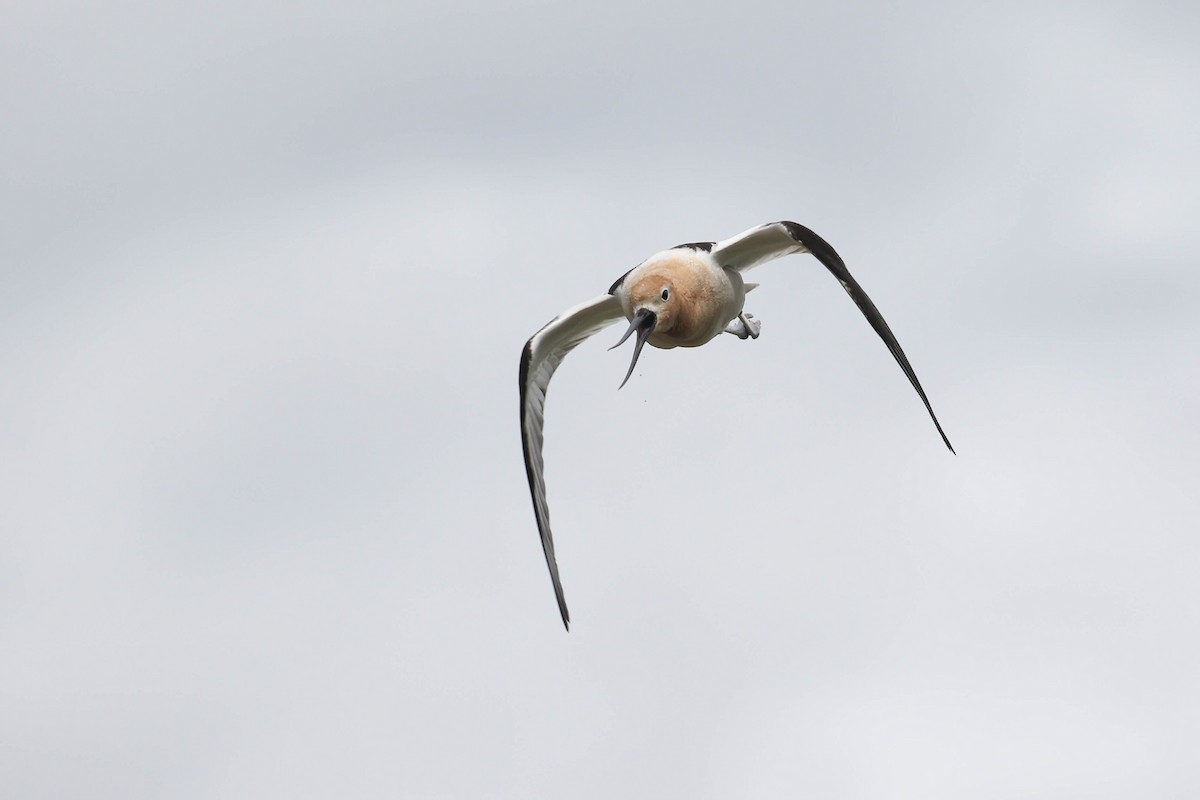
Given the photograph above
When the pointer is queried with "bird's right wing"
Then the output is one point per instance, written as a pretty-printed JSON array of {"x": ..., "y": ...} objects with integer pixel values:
[
  {"x": 766, "y": 242},
  {"x": 542, "y": 354}
]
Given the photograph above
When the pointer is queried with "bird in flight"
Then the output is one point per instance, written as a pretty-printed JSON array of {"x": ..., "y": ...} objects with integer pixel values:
[{"x": 682, "y": 297}]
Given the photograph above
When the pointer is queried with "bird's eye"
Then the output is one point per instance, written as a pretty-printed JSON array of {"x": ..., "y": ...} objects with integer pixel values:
[{"x": 665, "y": 293}]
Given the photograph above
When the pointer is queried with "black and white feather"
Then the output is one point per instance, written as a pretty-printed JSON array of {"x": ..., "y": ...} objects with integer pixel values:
[
  {"x": 542, "y": 355},
  {"x": 766, "y": 242}
]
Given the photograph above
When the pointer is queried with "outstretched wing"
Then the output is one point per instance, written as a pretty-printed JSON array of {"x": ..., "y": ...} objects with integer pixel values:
[
  {"x": 775, "y": 239},
  {"x": 541, "y": 356}
]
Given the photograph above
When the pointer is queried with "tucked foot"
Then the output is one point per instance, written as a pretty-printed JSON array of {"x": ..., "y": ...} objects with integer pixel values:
[{"x": 745, "y": 326}]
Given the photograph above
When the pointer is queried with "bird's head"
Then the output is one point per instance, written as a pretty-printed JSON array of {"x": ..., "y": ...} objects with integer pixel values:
[{"x": 653, "y": 308}]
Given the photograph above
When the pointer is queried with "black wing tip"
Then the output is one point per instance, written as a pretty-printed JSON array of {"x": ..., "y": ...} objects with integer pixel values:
[
  {"x": 916, "y": 384},
  {"x": 562, "y": 606},
  {"x": 929, "y": 407},
  {"x": 946, "y": 439}
]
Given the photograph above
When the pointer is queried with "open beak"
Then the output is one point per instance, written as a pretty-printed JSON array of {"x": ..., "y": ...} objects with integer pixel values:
[{"x": 643, "y": 322}]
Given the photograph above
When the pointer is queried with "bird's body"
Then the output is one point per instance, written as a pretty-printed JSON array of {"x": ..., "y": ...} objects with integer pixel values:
[
  {"x": 702, "y": 296},
  {"x": 682, "y": 297}
]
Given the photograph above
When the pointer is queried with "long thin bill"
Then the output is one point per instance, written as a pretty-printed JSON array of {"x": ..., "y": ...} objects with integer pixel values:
[{"x": 643, "y": 323}]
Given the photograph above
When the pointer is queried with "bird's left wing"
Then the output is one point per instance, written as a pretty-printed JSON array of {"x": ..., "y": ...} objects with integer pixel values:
[
  {"x": 541, "y": 356},
  {"x": 757, "y": 245}
]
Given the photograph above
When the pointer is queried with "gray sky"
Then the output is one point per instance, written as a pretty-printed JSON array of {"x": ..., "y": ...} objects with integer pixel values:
[{"x": 265, "y": 274}]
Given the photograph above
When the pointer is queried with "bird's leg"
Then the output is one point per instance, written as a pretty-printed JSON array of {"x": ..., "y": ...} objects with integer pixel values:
[{"x": 744, "y": 327}]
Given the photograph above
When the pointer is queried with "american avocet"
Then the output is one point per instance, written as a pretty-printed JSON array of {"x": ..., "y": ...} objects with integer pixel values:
[{"x": 682, "y": 297}]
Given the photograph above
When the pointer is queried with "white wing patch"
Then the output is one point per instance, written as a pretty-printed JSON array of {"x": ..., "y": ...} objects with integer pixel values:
[{"x": 540, "y": 358}]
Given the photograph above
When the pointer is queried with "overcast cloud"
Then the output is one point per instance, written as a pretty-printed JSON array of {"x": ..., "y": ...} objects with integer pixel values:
[{"x": 265, "y": 273}]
